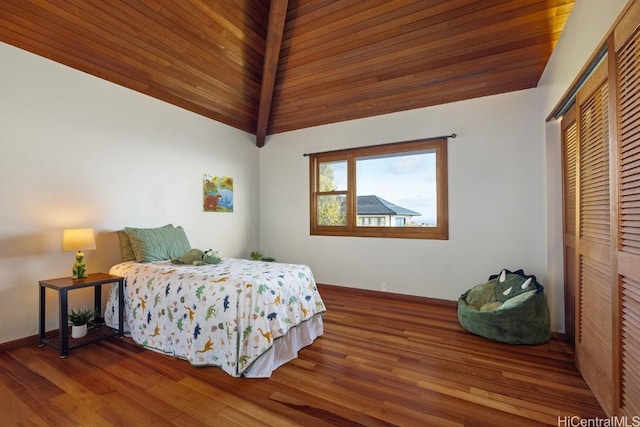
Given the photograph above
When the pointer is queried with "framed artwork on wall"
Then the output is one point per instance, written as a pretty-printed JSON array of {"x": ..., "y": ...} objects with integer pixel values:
[{"x": 217, "y": 193}]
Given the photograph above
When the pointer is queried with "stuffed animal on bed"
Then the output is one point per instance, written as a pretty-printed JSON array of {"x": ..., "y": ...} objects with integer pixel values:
[{"x": 198, "y": 257}]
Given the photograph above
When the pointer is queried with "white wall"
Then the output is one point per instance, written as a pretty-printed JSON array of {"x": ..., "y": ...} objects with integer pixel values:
[
  {"x": 496, "y": 211},
  {"x": 77, "y": 151},
  {"x": 586, "y": 28}
]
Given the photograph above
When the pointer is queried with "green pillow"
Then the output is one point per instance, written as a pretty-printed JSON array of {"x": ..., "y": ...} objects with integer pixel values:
[
  {"x": 126, "y": 251},
  {"x": 158, "y": 244}
]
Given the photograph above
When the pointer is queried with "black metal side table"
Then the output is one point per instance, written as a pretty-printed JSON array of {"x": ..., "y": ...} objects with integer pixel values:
[{"x": 99, "y": 331}]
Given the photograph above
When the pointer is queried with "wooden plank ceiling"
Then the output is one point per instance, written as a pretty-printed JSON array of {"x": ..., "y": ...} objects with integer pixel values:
[{"x": 313, "y": 62}]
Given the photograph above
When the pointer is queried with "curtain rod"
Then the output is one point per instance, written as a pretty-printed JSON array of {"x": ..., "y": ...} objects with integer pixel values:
[{"x": 453, "y": 135}]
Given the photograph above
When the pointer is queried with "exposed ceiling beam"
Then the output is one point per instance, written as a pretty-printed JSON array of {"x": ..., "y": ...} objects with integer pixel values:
[{"x": 277, "y": 17}]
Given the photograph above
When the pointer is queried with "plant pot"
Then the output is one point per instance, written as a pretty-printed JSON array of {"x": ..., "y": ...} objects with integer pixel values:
[{"x": 78, "y": 331}]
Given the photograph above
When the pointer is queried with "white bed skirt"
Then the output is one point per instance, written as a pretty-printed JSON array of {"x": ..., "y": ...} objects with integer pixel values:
[
  {"x": 283, "y": 350},
  {"x": 286, "y": 348}
]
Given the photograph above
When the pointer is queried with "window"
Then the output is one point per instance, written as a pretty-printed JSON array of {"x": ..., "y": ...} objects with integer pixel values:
[{"x": 392, "y": 190}]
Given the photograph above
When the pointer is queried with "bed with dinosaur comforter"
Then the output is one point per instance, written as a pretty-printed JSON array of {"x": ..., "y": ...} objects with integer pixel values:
[{"x": 246, "y": 317}]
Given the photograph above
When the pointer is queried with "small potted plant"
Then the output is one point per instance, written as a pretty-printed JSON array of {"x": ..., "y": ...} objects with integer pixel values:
[{"x": 79, "y": 319}]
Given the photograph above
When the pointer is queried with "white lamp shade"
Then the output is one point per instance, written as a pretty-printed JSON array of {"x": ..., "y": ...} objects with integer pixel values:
[{"x": 78, "y": 239}]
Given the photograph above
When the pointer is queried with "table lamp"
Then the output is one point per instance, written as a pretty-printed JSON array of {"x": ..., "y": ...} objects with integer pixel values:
[{"x": 78, "y": 239}]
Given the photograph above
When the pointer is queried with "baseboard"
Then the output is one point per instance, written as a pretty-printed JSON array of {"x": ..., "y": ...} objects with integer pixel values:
[
  {"x": 389, "y": 295},
  {"x": 561, "y": 336},
  {"x": 21, "y": 342}
]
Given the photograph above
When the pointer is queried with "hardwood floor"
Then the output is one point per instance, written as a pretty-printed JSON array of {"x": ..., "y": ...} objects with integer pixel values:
[{"x": 380, "y": 362}]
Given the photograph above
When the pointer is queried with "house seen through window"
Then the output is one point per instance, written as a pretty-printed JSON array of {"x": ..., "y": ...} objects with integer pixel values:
[{"x": 394, "y": 190}]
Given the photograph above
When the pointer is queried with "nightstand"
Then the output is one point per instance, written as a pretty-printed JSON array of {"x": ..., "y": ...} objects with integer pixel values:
[{"x": 98, "y": 330}]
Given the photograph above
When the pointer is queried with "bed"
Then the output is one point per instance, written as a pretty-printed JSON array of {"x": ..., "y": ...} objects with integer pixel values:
[{"x": 246, "y": 317}]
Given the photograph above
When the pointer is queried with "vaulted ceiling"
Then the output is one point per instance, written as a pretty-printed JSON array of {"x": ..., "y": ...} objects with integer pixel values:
[{"x": 272, "y": 66}]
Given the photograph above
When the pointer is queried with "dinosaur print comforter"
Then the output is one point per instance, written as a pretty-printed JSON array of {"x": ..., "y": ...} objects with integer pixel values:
[{"x": 225, "y": 315}]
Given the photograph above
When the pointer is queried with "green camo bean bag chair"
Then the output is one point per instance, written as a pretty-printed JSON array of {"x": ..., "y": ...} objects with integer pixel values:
[{"x": 510, "y": 308}]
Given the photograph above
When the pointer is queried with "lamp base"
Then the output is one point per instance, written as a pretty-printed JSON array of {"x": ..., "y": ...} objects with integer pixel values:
[{"x": 79, "y": 269}]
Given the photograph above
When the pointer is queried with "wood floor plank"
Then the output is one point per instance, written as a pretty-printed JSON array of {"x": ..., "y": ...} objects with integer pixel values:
[
  {"x": 13, "y": 409},
  {"x": 382, "y": 361},
  {"x": 243, "y": 411}
]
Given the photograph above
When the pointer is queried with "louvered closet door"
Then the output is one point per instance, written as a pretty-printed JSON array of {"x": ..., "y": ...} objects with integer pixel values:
[
  {"x": 594, "y": 332},
  {"x": 628, "y": 84},
  {"x": 569, "y": 162}
]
